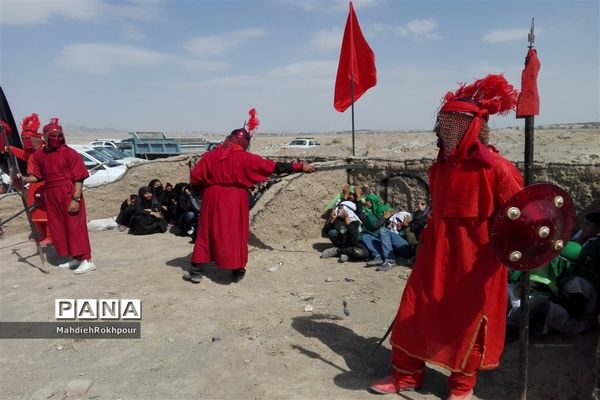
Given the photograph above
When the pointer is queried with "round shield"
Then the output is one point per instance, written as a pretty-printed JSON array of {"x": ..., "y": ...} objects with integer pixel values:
[{"x": 533, "y": 226}]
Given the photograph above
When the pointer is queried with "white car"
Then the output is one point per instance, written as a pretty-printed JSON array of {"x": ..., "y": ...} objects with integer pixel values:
[
  {"x": 101, "y": 168},
  {"x": 106, "y": 142},
  {"x": 118, "y": 155},
  {"x": 302, "y": 143}
]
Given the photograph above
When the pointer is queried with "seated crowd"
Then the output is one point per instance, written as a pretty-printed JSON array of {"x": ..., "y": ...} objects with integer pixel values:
[
  {"x": 362, "y": 228},
  {"x": 563, "y": 293},
  {"x": 155, "y": 209}
]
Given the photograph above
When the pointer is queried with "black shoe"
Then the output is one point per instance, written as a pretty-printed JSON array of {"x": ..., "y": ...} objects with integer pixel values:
[
  {"x": 191, "y": 278},
  {"x": 238, "y": 274}
]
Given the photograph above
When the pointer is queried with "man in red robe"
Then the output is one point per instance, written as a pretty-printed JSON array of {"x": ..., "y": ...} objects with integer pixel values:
[
  {"x": 63, "y": 172},
  {"x": 223, "y": 177},
  {"x": 452, "y": 311},
  {"x": 32, "y": 141}
]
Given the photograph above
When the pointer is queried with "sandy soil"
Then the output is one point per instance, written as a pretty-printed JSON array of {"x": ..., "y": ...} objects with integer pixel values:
[{"x": 282, "y": 332}]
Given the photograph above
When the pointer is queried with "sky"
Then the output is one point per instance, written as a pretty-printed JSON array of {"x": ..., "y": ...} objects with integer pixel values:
[{"x": 200, "y": 65}]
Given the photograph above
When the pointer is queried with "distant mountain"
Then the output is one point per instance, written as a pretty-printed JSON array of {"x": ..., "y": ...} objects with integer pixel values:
[{"x": 94, "y": 132}]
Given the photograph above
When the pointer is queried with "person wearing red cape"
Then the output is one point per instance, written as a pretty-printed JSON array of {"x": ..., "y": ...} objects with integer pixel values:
[
  {"x": 453, "y": 308},
  {"x": 62, "y": 170},
  {"x": 32, "y": 140},
  {"x": 222, "y": 177}
]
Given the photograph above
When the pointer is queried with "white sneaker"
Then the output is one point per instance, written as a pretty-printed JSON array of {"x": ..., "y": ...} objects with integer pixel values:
[
  {"x": 69, "y": 264},
  {"x": 85, "y": 266},
  {"x": 190, "y": 231}
]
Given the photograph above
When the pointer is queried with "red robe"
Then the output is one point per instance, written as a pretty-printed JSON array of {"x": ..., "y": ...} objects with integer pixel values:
[
  {"x": 457, "y": 285},
  {"x": 39, "y": 214},
  {"x": 60, "y": 170},
  {"x": 224, "y": 176}
]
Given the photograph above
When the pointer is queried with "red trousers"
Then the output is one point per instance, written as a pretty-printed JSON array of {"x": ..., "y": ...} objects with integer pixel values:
[{"x": 410, "y": 370}]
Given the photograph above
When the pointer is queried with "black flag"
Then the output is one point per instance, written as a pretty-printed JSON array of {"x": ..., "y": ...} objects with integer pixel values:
[{"x": 15, "y": 138}]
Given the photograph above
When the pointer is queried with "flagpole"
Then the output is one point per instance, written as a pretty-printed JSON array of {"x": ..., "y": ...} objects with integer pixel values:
[
  {"x": 352, "y": 95},
  {"x": 525, "y": 278}
]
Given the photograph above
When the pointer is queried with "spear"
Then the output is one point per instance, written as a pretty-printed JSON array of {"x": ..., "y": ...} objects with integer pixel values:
[{"x": 527, "y": 107}]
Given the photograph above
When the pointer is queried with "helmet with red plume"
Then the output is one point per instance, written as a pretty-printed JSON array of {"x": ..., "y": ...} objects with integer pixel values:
[
  {"x": 242, "y": 136},
  {"x": 30, "y": 126},
  {"x": 490, "y": 95},
  {"x": 32, "y": 139},
  {"x": 462, "y": 119}
]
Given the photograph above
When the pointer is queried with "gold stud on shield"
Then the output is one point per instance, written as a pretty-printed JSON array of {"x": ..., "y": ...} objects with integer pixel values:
[
  {"x": 513, "y": 213},
  {"x": 515, "y": 256},
  {"x": 559, "y": 201},
  {"x": 532, "y": 227},
  {"x": 544, "y": 232}
]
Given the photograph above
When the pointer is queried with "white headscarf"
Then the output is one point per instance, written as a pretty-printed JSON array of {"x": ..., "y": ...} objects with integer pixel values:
[
  {"x": 398, "y": 217},
  {"x": 350, "y": 208}
]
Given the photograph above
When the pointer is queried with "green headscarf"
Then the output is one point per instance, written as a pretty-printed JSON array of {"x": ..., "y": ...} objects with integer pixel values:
[
  {"x": 377, "y": 208},
  {"x": 339, "y": 197}
]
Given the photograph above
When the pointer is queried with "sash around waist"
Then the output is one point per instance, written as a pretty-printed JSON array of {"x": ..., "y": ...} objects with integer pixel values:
[{"x": 57, "y": 183}]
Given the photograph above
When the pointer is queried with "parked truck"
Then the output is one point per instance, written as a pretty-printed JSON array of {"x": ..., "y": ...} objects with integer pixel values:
[
  {"x": 196, "y": 146},
  {"x": 150, "y": 145}
]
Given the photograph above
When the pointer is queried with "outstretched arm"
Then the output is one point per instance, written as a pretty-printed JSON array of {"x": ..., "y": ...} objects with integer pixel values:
[{"x": 288, "y": 168}]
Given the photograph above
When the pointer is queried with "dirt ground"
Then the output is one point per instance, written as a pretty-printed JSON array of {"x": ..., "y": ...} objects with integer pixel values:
[{"x": 281, "y": 333}]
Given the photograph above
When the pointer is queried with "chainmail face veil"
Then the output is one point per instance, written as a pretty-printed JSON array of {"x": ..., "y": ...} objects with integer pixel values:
[{"x": 450, "y": 127}]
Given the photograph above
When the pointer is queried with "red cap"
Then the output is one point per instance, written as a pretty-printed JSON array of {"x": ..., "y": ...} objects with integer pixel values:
[{"x": 53, "y": 126}]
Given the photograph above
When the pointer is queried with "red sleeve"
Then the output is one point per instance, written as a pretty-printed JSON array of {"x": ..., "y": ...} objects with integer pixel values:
[
  {"x": 508, "y": 180},
  {"x": 297, "y": 166},
  {"x": 19, "y": 153},
  {"x": 256, "y": 169},
  {"x": 33, "y": 167},
  {"x": 78, "y": 170},
  {"x": 198, "y": 173}
]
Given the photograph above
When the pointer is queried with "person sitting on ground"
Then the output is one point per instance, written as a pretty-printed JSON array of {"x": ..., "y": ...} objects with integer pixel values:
[
  {"x": 346, "y": 223},
  {"x": 126, "y": 212},
  {"x": 177, "y": 192},
  {"x": 172, "y": 200},
  {"x": 147, "y": 217},
  {"x": 544, "y": 288},
  {"x": 190, "y": 209},
  {"x": 564, "y": 293},
  {"x": 419, "y": 218},
  {"x": 159, "y": 195},
  {"x": 380, "y": 241},
  {"x": 400, "y": 224},
  {"x": 578, "y": 308},
  {"x": 348, "y": 192}
]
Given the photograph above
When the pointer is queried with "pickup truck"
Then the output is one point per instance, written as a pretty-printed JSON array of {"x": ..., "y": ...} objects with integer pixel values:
[{"x": 150, "y": 145}]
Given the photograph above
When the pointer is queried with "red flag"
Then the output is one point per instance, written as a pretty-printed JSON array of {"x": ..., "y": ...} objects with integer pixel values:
[
  {"x": 356, "y": 67},
  {"x": 529, "y": 100}
]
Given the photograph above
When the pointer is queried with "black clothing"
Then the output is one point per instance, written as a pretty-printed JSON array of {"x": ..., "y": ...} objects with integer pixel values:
[
  {"x": 142, "y": 223},
  {"x": 126, "y": 212},
  {"x": 346, "y": 238}
]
